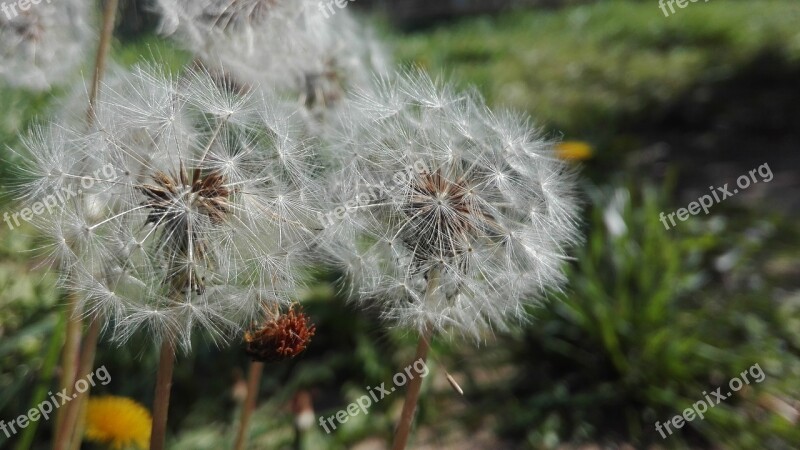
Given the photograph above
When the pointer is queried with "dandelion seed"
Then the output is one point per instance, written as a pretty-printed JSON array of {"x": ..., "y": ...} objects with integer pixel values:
[{"x": 454, "y": 384}]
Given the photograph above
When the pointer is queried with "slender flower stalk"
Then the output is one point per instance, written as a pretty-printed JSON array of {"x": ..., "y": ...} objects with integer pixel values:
[
  {"x": 403, "y": 431},
  {"x": 69, "y": 360},
  {"x": 253, "y": 384},
  {"x": 69, "y": 427},
  {"x": 74, "y": 423},
  {"x": 404, "y": 425},
  {"x": 448, "y": 217},
  {"x": 103, "y": 48},
  {"x": 166, "y": 366}
]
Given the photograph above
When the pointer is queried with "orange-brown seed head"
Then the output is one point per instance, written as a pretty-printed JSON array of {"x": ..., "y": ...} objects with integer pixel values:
[{"x": 281, "y": 338}]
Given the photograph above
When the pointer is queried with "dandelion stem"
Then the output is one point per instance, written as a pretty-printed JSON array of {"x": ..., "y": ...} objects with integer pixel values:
[
  {"x": 166, "y": 365},
  {"x": 109, "y": 17},
  {"x": 253, "y": 383},
  {"x": 69, "y": 364},
  {"x": 412, "y": 396},
  {"x": 75, "y": 414},
  {"x": 403, "y": 430},
  {"x": 88, "y": 352},
  {"x": 64, "y": 422}
]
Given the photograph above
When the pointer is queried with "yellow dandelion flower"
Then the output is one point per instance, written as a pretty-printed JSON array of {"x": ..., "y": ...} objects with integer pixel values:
[
  {"x": 118, "y": 422},
  {"x": 574, "y": 150}
]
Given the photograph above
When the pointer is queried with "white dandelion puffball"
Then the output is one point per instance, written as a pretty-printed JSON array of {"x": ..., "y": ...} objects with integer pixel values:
[
  {"x": 445, "y": 215},
  {"x": 290, "y": 45},
  {"x": 44, "y": 44},
  {"x": 184, "y": 207}
]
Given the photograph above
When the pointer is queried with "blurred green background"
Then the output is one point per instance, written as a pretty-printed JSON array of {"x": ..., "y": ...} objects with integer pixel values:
[{"x": 651, "y": 318}]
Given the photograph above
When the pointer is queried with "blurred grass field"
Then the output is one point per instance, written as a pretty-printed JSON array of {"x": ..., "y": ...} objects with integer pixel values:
[{"x": 651, "y": 318}]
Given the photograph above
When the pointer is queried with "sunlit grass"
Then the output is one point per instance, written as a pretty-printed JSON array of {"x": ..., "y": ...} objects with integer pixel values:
[{"x": 579, "y": 69}]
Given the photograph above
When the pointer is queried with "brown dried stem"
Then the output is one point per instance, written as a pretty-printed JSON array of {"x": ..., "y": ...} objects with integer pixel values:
[
  {"x": 253, "y": 384},
  {"x": 403, "y": 430},
  {"x": 404, "y": 426},
  {"x": 166, "y": 366}
]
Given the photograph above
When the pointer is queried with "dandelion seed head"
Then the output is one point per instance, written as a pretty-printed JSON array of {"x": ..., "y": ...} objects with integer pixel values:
[
  {"x": 281, "y": 337},
  {"x": 293, "y": 46},
  {"x": 173, "y": 226},
  {"x": 474, "y": 215},
  {"x": 44, "y": 44}
]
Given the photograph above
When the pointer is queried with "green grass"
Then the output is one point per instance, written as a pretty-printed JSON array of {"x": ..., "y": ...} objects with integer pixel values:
[
  {"x": 583, "y": 70},
  {"x": 152, "y": 49}
]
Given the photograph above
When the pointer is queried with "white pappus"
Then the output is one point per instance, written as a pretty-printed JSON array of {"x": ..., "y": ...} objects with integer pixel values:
[
  {"x": 45, "y": 44},
  {"x": 449, "y": 216},
  {"x": 192, "y": 206}
]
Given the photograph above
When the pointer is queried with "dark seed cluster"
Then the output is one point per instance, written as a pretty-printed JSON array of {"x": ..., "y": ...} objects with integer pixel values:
[
  {"x": 444, "y": 221},
  {"x": 169, "y": 201},
  {"x": 26, "y": 25},
  {"x": 232, "y": 14}
]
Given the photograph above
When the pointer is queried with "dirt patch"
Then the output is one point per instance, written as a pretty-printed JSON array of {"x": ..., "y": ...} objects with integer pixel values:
[{"x": 721, "y": 130}]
